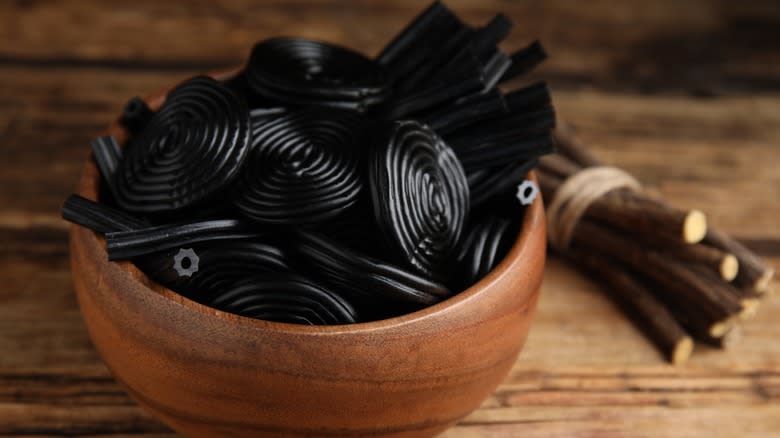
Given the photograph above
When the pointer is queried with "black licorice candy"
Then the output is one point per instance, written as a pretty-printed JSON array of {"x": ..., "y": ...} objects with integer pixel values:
[
  {"x": 361, "y": 275},
  {"x": 226, "y": 263},
  {"x": 303, "y": 168},
  {"x": 320, "y": 186},
  {"x": 300, "y": 71},
  {"x": 122, "y": 245},
  {"x": 420, "y": 195},
  {"x": 285, "y": 298},
  {"x": 189, "y": 151}
]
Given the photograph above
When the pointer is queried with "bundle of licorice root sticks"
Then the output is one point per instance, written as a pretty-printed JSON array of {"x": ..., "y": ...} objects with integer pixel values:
[
  {"x": 679, "y": 278},
  {"x": 321, "y": 186}
]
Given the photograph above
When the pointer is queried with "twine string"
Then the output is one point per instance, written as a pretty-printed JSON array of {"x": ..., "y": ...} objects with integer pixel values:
[{"x": 575, "y": 195}]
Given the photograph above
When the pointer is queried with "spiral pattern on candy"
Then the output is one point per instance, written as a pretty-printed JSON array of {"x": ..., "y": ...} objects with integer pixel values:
[
  {"x": 485, "y": 244},
  {"x": 420, "y": 196},
  {"x": 302, "y": 168},
  {"x": 227, "y": 263},
  {"x": 302, "y": 71},
  {"x": 187, "y": 152},
  {"x": 287, "y": 298}
]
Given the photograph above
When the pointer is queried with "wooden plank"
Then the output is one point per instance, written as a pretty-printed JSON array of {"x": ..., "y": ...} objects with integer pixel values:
[{"x": 703, "y": 46}]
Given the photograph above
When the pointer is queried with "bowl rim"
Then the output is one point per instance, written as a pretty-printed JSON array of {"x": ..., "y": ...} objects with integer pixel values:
[{"x": 533, "y": 221}]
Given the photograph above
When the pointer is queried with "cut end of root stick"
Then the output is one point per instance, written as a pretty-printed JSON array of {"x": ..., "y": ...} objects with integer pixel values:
[
  {"x": 749, "y": 308},
  {"x": 682, "y": 351},
  {"x": 729, "y": 267},
  {"x": 762, "y": 284},
  {"x": 695, "y": 227},
  {"x": 720, "y": 328}
]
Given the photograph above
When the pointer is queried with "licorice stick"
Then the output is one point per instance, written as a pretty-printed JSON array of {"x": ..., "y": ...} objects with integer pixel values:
[
  {"x": 652, "y": 316},
  {"x": 414, "y": 33},
  {"x": 361, "y": 275},
  {"x": 98, "y": 217},
  {"x": 122, "y": 245},
  {"x": 708, "y": 309},
  {"x": 136, "y": 115},
  {"x": 488, "y": 183},
  {"x": 420, "y": 195},
  {"x": 753, "y": 274},
  {"x": 107, "y": 155},
  {"x": 630, "y": 210},
  {"x": 468, "y": 112},
  {"x": 525, "y": 60}
]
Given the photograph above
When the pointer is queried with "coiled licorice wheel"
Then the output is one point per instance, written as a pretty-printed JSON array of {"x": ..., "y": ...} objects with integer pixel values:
[
  {"x": 485, "y": 244},
  {"x": 287, "y": 298},
  {"x": 420, "y": 196},
  {"x": 187, "y": 152},
  {"x": 302, "y": 168},
  {"x": 227, "y": 263},
  {"x": 306, "y": 72},
  {"x": 362, "y": 276}
]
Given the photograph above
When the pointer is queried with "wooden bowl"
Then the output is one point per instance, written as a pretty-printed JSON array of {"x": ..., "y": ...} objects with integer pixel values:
[{"x": 208, "y": 373}]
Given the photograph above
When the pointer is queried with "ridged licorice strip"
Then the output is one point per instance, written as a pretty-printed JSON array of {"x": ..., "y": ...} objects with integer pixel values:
[
  {"x": 226, "y": 263},
  {"x": 306, "y": 72},
  {"x": 429, "y": 70},
  {"x": 487, "y": 38},
  {"x": 123, "y": 245},
  {"x": 285, "y": 297},
  {"x": 302, "y": 169},
  {"x": 437, "y": 95},
  {"x": 532, "y": 97},
  {"x": 468, "y": 112},
  {"x": 363, "y": 276},
  {"x": 424, "y": 43},
  {"x": 413, "y": 33},
  {"x": 513, "y": 126},
  {"x": 98, "y": 217},
  {"x": 420, "y": 195},
  {"x": 498, "y": 151},
  {"x": 525, "y": 60},
  {"x": 488, "y": 183},
  {"x": 495, "y": 68},
  {"x": 190, "y": 150},
  {"x": 108, "y": 155},
  {"x": 136, "y": 115},
  {"x": 484, "y": 245}
]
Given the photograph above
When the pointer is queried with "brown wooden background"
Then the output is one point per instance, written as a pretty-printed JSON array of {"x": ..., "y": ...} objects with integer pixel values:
[{"x": 686, "y": 94}]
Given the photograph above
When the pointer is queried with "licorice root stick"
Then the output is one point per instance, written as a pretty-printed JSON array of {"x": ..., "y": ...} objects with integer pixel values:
[
  {"x": 708, "y": 309},
  {"x": 753, "y": 274},
  {"x": 636, "y": 213},
  {"x": 651, "y": 315}
]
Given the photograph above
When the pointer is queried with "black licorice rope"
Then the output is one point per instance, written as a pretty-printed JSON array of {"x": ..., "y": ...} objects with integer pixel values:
[
  {"x": 305, "y": 72},
  {"x": 188, "y": 151},
  {"x": 324, "y": 187},
  {"x": 420, "y": 195},
  {"x": 227, "y": 263},
  {"x": 483, "y": 246},
  {"x": 360, "y": 275},
  {"x": 285, "y": 298},
  {"x": 302, "y": 168}
]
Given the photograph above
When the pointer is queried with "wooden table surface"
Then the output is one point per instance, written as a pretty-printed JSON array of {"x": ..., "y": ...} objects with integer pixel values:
[{"x": 684, "y": 94}]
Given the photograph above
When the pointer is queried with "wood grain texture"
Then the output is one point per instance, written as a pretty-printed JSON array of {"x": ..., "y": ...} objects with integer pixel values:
[{"x": 685, "y": 95}]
